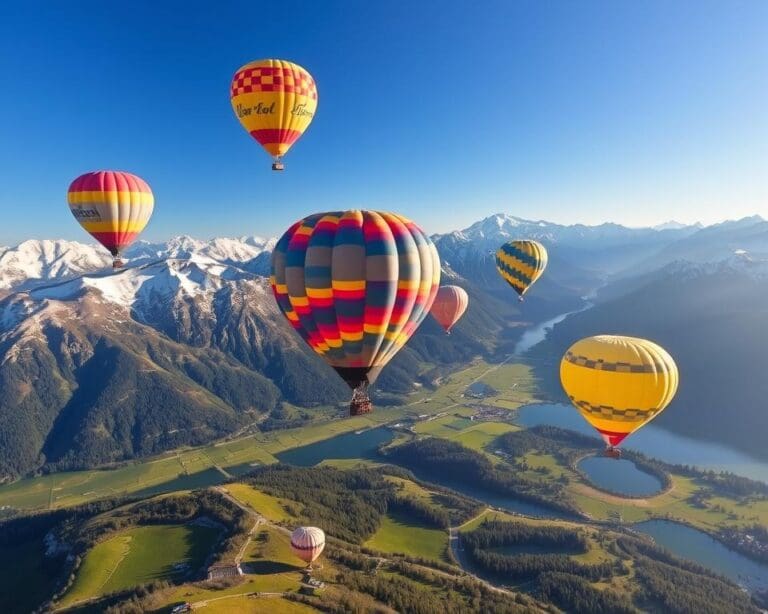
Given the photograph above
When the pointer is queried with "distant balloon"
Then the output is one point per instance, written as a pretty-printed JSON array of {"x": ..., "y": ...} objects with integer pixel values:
[
  {"x": 355, "y": 285},
  {"x": 450, "y": 304},
  {"x": 618, "y": 383},
  {"x": 308, "y": 543},
  {"x": 521, "y": 263},
  {"x": 275, "y": 101},
  {"x": 114, "y": 207}
]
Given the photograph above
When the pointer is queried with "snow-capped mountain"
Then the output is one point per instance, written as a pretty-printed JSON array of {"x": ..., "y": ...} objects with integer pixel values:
[
  {"x": 33, "y": 262},
  {"x": 44, "y": 260},
  {"x": 674, "y": 225},
  {"x": 88, "y": 355},
  {"x": 228, "y": 251}
]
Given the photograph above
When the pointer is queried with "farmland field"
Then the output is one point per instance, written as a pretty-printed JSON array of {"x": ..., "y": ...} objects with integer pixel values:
[
  {"x": 132, "y": 557},
  {"x": 400, "y": 533}
]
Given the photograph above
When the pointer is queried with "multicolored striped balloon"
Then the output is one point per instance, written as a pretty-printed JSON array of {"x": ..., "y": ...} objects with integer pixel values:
[
  {"x": 114, "y": 207},
  {"x": 275, "y": 101},
  {"x": 618, "y": 383},
  {"x": 450, "y": 304},
  {"x": 521, "y": 263},
  {"x": 355, "y": 285},
  {"x": 308, "y": 543}
]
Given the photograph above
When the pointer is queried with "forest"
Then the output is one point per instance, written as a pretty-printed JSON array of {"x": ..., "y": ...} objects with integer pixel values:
[
  {"x": 481, "y": 543},
  {"x": 471, "y": 467}
]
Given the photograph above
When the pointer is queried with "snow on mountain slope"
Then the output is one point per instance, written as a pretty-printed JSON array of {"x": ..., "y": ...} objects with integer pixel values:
[
  {"x": 35, "y": 260},
  {"x": 224, "y": 250},
  {"x": 143, "y": 288}
]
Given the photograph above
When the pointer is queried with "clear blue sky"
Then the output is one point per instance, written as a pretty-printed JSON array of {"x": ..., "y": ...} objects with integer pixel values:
[{"x": 636, "y": 112}]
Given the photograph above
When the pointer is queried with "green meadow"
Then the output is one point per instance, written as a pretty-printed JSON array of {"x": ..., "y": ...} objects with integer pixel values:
[{"x": 132, "y": 557}]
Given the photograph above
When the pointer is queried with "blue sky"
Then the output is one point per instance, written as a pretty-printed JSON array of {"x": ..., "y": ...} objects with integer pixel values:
[{"x": 635, "y": 112}]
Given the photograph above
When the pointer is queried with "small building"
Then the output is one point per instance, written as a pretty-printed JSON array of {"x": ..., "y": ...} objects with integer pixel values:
[
  {"x": 310, "y": 586},
  {"x": 226, "y": 570}
]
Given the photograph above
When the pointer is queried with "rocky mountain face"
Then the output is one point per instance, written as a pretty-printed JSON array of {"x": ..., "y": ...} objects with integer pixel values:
[
  {"x": 183, "y": 346},
  {"x": 186, "y": 344}
]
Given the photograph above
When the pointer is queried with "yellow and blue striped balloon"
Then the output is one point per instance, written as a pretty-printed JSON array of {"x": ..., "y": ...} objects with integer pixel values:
[{"x": 521, "y": 263}]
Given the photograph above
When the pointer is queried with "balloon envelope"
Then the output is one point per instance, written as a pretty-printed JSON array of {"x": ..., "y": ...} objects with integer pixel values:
[
  {"x": 114, "y": 207},
  {"x": 308, "y": 543},
  {"x": 521, "y": 263},
  {"x": 275, "y": 101},
  {"x": 355, "y": 285},
  {"x": 618, "y": 383},
  {"x": 450, "y": 304}
]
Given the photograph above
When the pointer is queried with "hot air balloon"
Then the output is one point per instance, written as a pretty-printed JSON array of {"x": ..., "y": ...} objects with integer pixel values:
[
  {"x": 521, "y": 263},
  {"x": 450, "y": 304},
  {"x": 114, "y": 207},
  {"x": 355, "y": 285},
  {"x": 275, "y": 101},
  {"x": 308, "y": 543},
  {"x": 618, "y": 383}
]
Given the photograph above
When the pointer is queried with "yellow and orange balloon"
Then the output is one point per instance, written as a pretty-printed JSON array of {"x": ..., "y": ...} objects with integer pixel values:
[
  {"x": 618, "y": 383},
  {"x": 275, "y": 101},
  {"x": 114, "y": 207}
]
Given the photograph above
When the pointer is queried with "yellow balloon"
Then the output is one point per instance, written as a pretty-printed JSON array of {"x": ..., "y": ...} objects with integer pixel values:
[
  {"x": 521, "y": 263},
  {"x": 275, "y": 101},
  {"x": 618, "y": 383}
]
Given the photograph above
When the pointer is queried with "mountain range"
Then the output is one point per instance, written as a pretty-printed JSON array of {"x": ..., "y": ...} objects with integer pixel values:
[{"x": 186, "y": 344}]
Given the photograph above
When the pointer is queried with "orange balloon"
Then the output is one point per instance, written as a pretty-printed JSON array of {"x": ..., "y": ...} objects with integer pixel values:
[{"x": 450, "y": 304}]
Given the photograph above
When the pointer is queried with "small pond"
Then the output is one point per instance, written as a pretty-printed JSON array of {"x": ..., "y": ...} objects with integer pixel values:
[{"x": 619, "y": 476}]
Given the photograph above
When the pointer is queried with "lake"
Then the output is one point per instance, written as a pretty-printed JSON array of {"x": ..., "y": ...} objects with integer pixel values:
[
  {"x": 652, "y": 441},
  {"x": 695, "y": 545},
  {"x": 619, "y": 476},
  {"x": 349, "y": 445}
]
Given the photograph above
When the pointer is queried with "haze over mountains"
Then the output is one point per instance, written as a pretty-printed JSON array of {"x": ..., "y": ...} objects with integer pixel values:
[{"x": 186, "y": 344}]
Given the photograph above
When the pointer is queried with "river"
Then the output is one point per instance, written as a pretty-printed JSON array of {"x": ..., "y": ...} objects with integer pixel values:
[{"x": 537, "y": 334}]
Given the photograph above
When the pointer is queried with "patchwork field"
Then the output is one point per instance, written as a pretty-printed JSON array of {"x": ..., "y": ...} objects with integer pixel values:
[{"x": 213, "y": 464}]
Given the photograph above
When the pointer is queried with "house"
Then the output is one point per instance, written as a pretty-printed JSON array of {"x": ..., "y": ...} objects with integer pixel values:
[{"x": 224, "y": 570}]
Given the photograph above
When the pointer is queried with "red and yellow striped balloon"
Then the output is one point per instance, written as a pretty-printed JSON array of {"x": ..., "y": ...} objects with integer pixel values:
[
  {"x": 114, "y": 207},
  {"x": 275, "y": 101}
]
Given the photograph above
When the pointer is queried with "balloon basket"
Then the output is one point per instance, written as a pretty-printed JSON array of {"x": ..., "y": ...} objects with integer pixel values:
[
  {"x": 612, "y": 453},
  {"x": 361, "y": 402},
  {"x": 117, "y": 264},
  {"x": 278, "y": 166}
]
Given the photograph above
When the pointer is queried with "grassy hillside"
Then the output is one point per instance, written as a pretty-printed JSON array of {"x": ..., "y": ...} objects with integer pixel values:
[
  {"x": 401, "y": 533},
  {"x": 139, "y": 556}
]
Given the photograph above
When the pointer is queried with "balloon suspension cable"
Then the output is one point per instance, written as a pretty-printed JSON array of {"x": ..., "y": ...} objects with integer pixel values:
[
  {"x": 361, "y": 402},
  {"x": 278, "y": 165}
]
